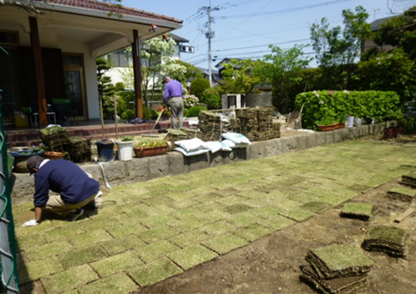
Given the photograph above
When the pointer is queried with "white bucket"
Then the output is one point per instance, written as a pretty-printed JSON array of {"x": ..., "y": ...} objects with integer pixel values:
[
  {"x": 350, "y": 121},
  {"x": 357, "y": 122},
  {"x": 124, "y": 150}
]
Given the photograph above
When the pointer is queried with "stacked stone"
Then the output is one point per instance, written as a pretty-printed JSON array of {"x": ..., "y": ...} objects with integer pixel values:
[
  {"x": 254, "y": 123},
  {"x": 79, "y": 149},
  {"x": 55, "y": 138}
]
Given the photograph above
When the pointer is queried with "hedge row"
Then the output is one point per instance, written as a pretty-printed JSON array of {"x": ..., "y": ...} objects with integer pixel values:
[{"x": 326, "y": 107}]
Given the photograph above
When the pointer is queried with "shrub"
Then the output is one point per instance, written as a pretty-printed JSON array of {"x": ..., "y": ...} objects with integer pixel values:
[
  {"x": 211, "y": 98},
  {"x": 198, "y": 86},
  {"x": 148, "y": 113},
  {"x": 194, "y": 111},
  {"x": 190, "y": 101},
  {"x": 128, "y": 114},
  {"x": 331, "y": 105}
]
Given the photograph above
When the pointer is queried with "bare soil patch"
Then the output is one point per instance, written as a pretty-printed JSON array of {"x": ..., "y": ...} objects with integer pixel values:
[{"x": 271, "y": 264}]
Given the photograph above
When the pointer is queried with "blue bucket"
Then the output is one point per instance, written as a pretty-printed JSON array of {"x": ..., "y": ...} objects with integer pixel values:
[{"x": 105, "y": 150}]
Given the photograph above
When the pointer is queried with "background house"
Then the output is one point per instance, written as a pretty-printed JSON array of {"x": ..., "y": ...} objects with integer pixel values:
[
  {"x": 375, "y": 26},
  {"x": 120, "y": 62}
]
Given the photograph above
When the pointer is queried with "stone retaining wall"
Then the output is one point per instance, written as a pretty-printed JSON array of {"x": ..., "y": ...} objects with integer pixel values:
[{"x": 173, "y": 163}]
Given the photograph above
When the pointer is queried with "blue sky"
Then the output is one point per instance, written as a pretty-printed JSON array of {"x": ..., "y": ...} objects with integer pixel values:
[{"x": 245, "y": 28}]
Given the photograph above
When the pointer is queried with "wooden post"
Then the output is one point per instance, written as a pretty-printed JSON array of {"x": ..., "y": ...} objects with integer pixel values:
[
  {"x": 40, "y": 78},
  {"x": 137, "y": 74}
]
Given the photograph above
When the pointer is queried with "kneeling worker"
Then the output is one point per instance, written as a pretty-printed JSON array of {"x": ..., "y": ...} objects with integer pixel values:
[{"x": 74, "y": 186}]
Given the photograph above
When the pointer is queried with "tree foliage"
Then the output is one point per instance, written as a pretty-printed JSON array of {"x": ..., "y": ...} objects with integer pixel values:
[
  {"x": 238, "y": 76},
  {"x": 157, "y": 60},
  {"x": 336, "y": 46},
  {"x": 106, "y": 89},
  {"x": 337, "y": 49},
  {"x": 280, "y": 69},
  {"x": 399, "y": 31},
  {"x": 388, "y": 71}
]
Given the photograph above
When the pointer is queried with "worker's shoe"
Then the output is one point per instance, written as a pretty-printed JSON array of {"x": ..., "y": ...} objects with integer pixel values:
[{"x": 76, "y": 214}]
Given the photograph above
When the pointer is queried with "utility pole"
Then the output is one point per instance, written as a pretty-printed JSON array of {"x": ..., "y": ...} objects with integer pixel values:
[{"x": 209, "y": 34}]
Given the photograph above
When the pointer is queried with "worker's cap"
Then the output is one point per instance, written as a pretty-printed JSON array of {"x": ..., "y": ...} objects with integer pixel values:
[
  {"x": 164, "y": 78},
  {"x": 34, "y": 162}
]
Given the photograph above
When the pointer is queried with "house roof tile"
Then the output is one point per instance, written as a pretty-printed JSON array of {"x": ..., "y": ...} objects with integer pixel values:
[{"x": 111, "y": 8}]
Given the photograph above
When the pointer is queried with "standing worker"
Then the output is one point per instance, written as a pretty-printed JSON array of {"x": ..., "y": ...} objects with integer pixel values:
[
  {"x": 74, "y": 186},
  {"x": 173, "y": 97}
]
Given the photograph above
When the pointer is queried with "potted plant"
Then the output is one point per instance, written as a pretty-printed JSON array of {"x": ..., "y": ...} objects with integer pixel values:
[
  {"x": 21, "y": 157},
  {"x": 150, "y": 147},
  {"x": 327, "y": 124},
  {"x": 125, "y": 148}
]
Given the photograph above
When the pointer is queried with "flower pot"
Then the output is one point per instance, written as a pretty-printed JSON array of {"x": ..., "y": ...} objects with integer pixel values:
[
  {"x": 341, "y": 125},
  {"x": 350, "y": 121},
  {"x": 124, "y": 150},
  {"x": 105, "y": 150},
  {"x": 357, "y": 122},
  {"x": 21, "y": 158},
  {"x": 54, "y": 155},
  {"x": 327, "y": 128},
  {"x": 150, "y": 151}
]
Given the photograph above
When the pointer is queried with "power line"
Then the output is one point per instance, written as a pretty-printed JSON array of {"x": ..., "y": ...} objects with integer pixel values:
[{"x": 283, "y": 10}]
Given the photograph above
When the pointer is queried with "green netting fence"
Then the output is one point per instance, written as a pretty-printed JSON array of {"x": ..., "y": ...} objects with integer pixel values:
[{"x": 8, "y": 269}]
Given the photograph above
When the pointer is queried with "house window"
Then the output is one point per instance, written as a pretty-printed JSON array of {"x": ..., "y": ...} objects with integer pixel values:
[
  {"x": 72, "y": 60},
  {"x": 118, "y": 59},
  {"x": 9, "y": 38}
]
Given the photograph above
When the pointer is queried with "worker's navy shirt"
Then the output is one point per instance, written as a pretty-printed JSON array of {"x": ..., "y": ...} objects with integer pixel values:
[
  {"x": 172, "y": 89},
  {"x": 63, "y": 177}
]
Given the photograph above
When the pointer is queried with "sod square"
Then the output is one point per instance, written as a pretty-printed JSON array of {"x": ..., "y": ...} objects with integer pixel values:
[
  {"x": 157, "y": 234},
  {"x": 35, "y": 240},
  {"x": 405, "y": 194},
  {"x": 34, "y": 270},
  {"x": 81, "y": 256},
  {"x": 119, "y": 231},
  {"x": 193, "y": 237},
  {"x": 48, "y": 250},
  {"x": 358, "y": 210},
  {"x": 62, "y": 234},
  {"x": 298, "y": 214},
  {"x": 122, "y": 244},
  {"x": 266, "y": 211},
  {"x": 119, "y": 283},
  {"x": 116, "y": 263},
  {"x": 277, "y": 222},
  {"x": 155, "y": 250},
  {"x": 192, "y": 256},
  {"x": 304, "y": 197},
  {"x": 154, "y": 272},
  {"x": 237, "y": 208},
  {"x": 219, "y": 228},
  {"x": 155, "y": 221},
  {"x": 316, "y": 206},
  {"x": 225, "y": 243},
  {"x": 70, "y": 279},
  {"x": 243, "y": 219},
  {"x": 86, "y": 239},
  {"x": 253, "y": 232}
]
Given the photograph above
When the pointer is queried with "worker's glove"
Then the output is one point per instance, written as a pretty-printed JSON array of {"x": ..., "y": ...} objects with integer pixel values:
[{"x": 30, "y": 223}]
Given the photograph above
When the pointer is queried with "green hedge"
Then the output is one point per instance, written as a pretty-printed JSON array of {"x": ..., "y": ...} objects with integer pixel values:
[{"x": 333, "y": 105}]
